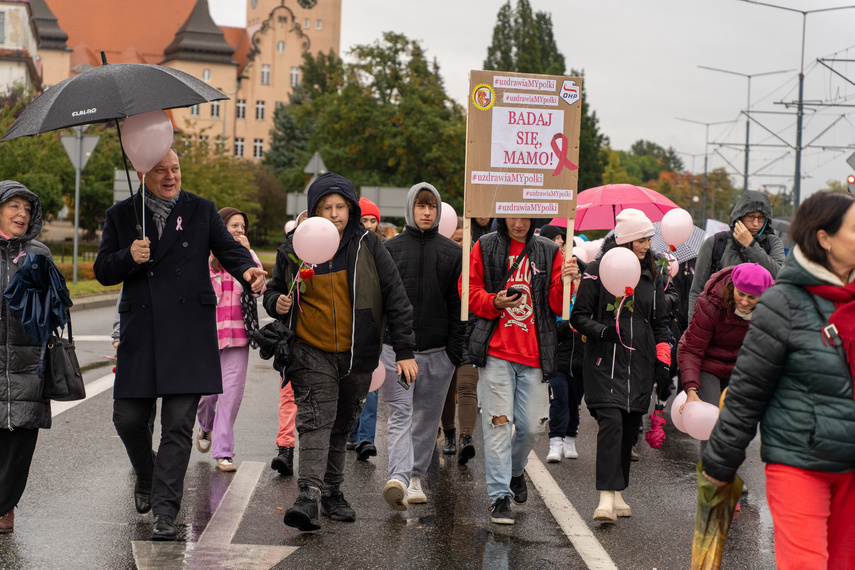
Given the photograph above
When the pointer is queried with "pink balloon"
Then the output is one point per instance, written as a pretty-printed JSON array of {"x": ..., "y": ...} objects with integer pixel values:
[
  {"x": 676, "y": 416},
  {"x": 377, "y": 377},
  {"x": 447, "y": 221},
  {"x": 578, "y": 242},
  {"x": 316, "y": 240},
  {"x": 591, "y": 248},
  {"x": 146, "y": 139},
  {"x": 289, "y": 225},
  {"x": 673, "y": 267},
  {"x": 619, "y": 269},
  {"x": 676, "y": 226},
  {"x": 699, "y": 419},
  {"x": 581, "y": 254}
]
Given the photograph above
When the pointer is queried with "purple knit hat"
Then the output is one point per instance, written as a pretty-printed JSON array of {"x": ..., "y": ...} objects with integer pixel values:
[{"x": 750, "y": 278}]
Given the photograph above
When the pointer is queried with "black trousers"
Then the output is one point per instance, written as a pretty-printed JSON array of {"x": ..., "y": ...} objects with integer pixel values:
[
  {"x": 18, "y": 447},
  {"x": 615, "y": 438},
  {"x": 163, "y": 472}
]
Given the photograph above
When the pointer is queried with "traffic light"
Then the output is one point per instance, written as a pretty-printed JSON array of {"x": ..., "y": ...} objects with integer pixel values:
[{"x": 850, "y": 183}]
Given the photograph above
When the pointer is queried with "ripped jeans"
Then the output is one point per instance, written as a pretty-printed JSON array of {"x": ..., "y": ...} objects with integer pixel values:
[
  {"x": 329, "y": 402},
  {"x": 518, "y": 393}
]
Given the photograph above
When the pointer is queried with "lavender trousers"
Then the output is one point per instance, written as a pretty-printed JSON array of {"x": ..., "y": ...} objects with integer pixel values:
[{"x": 217, "y": 412}]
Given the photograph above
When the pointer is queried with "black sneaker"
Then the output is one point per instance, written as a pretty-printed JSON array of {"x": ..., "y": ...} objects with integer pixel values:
[
  {"x": 336, "y": 507},
  {"x": 466, "y": 450},
  {"x": 365, "y": 450},
  {"x": 284, "y": 462},
  {"x": 450, "y": 448},
  {"x": 350, "y": 446},
  {"x": 500, "y": 511},
  {"x": 519, "y": 489},
  {"x": 303, "y": 514}
]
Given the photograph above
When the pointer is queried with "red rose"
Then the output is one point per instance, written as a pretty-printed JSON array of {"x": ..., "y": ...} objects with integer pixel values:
[
  {"x": 672, "y": 248},
  {"x": 628, "y": 291},
  {"x": 307, "y": 273}
]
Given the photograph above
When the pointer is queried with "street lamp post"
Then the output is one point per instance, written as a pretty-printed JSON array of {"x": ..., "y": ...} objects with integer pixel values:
[
  {"x": 706, "y": 159},
  {"x": 747, "y": 111},
  {"x": 797, "y": 183}
]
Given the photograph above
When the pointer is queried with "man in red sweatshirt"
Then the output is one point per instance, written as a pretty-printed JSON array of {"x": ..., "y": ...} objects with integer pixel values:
[{"x": 516, "y": 290}]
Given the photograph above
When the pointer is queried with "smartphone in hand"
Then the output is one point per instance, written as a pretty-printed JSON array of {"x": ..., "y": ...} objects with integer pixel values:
[
  {"x": 402, "y": 380},
  {"x": 513, "y": 293}
]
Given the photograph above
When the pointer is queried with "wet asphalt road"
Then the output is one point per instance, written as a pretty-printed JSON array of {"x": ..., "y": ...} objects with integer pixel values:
[{"x": 77, "y": 511}]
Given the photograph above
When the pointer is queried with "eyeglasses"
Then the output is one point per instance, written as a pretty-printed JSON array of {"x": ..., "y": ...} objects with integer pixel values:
[{"x": 760, "y": 218}]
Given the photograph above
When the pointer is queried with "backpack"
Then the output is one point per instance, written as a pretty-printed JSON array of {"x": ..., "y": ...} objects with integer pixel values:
[{"x": 721, "y": 242}]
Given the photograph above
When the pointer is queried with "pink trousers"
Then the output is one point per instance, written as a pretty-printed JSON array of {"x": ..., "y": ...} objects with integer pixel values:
[
  {"x": 217, "y": 412},
  {"x": 812, "y": 512},
  {"x": 287, "y": 417}
]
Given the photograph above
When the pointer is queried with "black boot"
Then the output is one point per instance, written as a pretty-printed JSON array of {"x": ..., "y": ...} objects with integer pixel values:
[
  {"x": 467, "y": 450},
  {"x": 284, "y": 462},
  {"x": 303, "y": 514},
  {"x": 450, "y": 448}
]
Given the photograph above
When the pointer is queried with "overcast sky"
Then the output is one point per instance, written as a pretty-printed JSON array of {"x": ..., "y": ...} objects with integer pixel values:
[{"x": 641, "y": 60}]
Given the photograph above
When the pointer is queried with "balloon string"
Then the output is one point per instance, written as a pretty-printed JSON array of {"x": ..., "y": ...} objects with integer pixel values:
[
  {"x": 143, "y": 205},
  {"x": 617, "y": 323}
]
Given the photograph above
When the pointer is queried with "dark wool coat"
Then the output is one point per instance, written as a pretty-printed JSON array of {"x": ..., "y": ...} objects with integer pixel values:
[
  {"x": 798, "y": 388},
  {"x": 714, "y": 336},
  {"x": 615, "y": 377},
  {"x": 21, "y": 402},
  {"x": 168, "y": 336}
]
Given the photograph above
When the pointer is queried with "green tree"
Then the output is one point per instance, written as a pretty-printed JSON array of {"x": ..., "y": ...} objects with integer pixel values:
[{"x": 500, "y": 52}]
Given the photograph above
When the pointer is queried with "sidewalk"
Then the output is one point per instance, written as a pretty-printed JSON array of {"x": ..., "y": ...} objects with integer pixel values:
[{"x": 83, "y": 302}]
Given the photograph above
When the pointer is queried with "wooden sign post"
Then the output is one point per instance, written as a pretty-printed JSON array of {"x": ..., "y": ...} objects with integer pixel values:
[{"x": 522, "y": 152}]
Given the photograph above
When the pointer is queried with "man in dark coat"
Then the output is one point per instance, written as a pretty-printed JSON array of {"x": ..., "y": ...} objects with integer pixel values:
[{"x": 168, "y": 334}]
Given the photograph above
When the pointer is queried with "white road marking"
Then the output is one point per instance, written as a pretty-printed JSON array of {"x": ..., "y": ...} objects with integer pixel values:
[
  {"x": 93, "y": 338},
  {"x": 583, "y": 540},
  {"x": 92, "y": 389}
]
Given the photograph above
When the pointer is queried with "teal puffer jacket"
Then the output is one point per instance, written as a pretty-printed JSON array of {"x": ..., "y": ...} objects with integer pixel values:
[{"x": 798, "y": 388}]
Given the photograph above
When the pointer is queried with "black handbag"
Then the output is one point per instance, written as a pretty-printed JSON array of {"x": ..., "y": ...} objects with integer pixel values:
[{"x": 63, "y": 380}]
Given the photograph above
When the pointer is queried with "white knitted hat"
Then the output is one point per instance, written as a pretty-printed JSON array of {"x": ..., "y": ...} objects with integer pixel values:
[{"x": 632, "y": 224}]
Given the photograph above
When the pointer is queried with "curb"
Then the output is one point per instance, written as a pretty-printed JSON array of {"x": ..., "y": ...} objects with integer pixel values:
[{"x": 94, "y": 302}]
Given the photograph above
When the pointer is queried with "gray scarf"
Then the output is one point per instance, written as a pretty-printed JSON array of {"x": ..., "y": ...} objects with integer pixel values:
[{"x": 160, "y": 209}]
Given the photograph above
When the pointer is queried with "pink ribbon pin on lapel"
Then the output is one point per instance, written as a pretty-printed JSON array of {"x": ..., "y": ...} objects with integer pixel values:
[{"x": 178, "y": 225}]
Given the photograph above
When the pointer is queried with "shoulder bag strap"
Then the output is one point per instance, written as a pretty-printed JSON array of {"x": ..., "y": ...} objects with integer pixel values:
[{"x": 516, "y": 264}]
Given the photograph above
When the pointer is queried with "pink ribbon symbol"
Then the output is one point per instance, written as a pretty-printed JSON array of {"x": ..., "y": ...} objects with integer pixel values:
[
  {"x": 178, "y": 225},
  {"x": 534, "y": 268},
  {"x": 561, "y": 153}
]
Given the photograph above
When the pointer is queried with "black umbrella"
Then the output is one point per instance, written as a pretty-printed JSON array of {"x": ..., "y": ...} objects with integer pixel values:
[
  {"x": 275, "y": 340},
  {"x": 109, "y": 92},
  {"x": 38, "y": 297}
]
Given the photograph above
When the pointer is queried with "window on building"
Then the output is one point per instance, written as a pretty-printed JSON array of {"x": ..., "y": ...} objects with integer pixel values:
[
  {"x": 2, "y": 27},
  {"x": 259, "y": 110},
  {"x": 319, "y": 25},
  {"x": 206, "y": 75},
  {"x": 194, "y": 111},
  {"x": 239, "y": 146},
  {"x": 203, "y": 140},
  {"x": 278, "y": 105},
  {"x": 265, "y": 74},
  {"x": 295, "y": 76},
  {"x": 215, "y": 109},
  {"x": 258, "y": 148},
  {"x": 280, "y": 47},
  {"x": 241, "y": 109},
  {"x": 306, "y": 23}
]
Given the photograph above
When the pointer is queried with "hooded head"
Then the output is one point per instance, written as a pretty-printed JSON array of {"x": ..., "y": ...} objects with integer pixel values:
[
  {"x": 11, "y": 189},
  {"x": 431, "y": 195},
  {"x": 752, "y": 201},
  {"x": 632, "y": 224},
  {"x": 331, "y": 183},
  {"x": 502, "y": 228},
  {"x": 551, "y": 232}
]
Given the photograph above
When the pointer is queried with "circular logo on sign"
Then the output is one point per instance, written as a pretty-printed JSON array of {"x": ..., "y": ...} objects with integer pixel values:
[{"x": 483, "y": 97}]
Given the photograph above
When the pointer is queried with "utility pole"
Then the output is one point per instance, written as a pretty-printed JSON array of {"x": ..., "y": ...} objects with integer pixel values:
[{"x": 706, "y": 161}]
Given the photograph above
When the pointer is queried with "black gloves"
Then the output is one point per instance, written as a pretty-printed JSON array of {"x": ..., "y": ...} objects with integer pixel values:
[
  {"x": 609, "y": 334},
  {"x": 662, "y": 375}
]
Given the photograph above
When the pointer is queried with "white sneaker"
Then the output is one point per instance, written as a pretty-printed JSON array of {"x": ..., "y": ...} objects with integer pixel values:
[
  {"x": 570, "y": 448},
  {"x": 226, "y": 464},
  {"x": 203, "y": 441},
  {"x": 395, "y": 495},
  {"x": 415, "y": 495},
  {"x": 556, "y": 447}
]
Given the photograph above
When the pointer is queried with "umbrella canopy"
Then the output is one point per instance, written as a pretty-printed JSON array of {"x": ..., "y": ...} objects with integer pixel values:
[
  {"x": 38, "y": 297},
  {"x": 597, "y": 208},
  {"x": 686, "y": 251},
  {"x": 713, "y": 514},
  {"x": 275, "y": 340},
  {"x": 108, "y": 92}
]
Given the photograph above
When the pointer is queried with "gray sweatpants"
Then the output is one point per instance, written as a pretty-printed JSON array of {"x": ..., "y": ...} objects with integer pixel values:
[{"x": 414, "y": 414}]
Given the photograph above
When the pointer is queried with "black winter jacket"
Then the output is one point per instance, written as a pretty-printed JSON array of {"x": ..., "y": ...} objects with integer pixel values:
[
  {"x": 21, "y": 402},
  {"x": 495, "y": 248},
  {"x": 615, "y": 377}
]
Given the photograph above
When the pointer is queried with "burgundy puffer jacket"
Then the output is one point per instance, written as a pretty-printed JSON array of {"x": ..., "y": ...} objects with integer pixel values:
[{"x": 714, "y": 336}]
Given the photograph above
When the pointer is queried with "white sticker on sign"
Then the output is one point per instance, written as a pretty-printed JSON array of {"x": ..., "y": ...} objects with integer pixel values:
[
  {"x": 530, "y": 83},
  {"x": 522, "y": 208},
  {"x": 546, "y": 194},
  {"x": 507, "y": 178},
  {"x": 524, "y": 138},
  {"x": 530, "y": 99},
  {"x": 570, "y": 91}
]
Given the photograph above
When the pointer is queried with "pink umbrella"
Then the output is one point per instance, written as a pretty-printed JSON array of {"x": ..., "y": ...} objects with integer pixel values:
[{"x": 596, "y": 208}]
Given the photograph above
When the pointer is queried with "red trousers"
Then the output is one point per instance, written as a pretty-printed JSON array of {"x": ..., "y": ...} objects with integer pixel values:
[
  {"x": 287, "y": 417},
  {"x": 813, "y": 516}
]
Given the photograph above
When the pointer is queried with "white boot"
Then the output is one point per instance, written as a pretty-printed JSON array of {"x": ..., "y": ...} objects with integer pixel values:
[
  {"x": 606, "y": 509},
  {"x": 556, "y": 448},
  {"x": 570, "y": 448},
  {"x": 621, "y": 508}
]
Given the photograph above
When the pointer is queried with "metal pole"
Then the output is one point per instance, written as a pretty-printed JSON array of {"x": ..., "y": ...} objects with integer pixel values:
[
  {"x": 77, "y": 201},
  {"x": 797, "y": 183},
  {"x": 706, "y": 157},
  {"x": 747, "y": 138}
]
